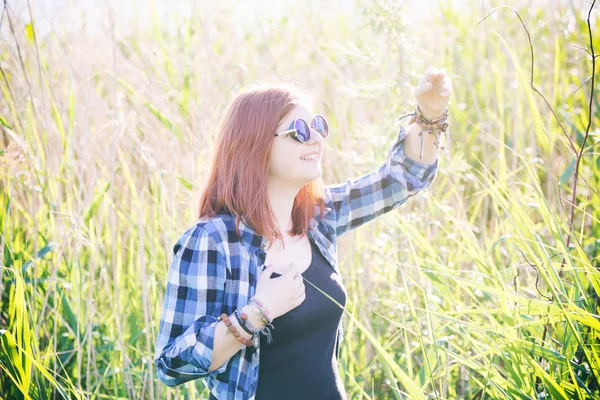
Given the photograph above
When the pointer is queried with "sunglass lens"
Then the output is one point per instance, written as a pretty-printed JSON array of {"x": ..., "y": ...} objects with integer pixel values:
[
  {"x": 302, "y": 131},
  {"x": 320, "y": 126}
]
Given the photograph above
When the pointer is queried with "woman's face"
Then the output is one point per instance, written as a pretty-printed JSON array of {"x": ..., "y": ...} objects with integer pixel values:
[{"x": 287, "y": 165}]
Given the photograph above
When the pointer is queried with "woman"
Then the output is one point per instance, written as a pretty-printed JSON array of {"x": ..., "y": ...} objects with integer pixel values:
[{"x": 236, "y": 304}]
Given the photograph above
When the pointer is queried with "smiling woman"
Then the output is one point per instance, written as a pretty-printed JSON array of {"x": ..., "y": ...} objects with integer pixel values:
[
  {"x": 296, "y": 156},
  {"x": 265, "y": 211},
  {"x": 250, "y": 160}
]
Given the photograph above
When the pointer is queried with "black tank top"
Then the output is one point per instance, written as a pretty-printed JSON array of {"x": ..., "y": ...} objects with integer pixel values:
[{"x": 301, "y": 361}]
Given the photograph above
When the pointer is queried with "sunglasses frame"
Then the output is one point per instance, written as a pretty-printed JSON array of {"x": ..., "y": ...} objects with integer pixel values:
[{"x": 293, "y": 131}]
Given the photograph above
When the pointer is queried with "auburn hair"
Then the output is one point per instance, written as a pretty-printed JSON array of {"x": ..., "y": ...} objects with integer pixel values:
[{"x": 237, "y": 181}]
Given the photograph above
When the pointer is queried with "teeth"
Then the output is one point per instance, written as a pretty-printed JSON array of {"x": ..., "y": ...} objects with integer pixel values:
[{"x": 313, "y": 157}]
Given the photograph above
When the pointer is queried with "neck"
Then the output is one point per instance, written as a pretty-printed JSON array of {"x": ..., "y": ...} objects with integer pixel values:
[{"x": 281, "y": 198}]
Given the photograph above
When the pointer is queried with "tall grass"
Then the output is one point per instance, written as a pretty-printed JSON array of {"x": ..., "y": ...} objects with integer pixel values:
[{"x": 484, "y": 286}]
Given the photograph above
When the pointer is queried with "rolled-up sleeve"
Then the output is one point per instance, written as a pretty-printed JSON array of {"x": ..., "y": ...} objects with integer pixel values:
[
  {"x": 192, "y": 304},
  {"x": 360, "y": 200}
]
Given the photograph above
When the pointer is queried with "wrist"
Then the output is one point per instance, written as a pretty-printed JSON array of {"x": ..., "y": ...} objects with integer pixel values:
[
  {"x": 262, "y": 308},
  {"x": 239, "y": 328},
  {"x": 431, "y": 114},
  {"x": 253, "y": 318}
]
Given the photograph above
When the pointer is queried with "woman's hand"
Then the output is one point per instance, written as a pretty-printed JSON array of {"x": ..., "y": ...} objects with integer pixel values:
[
  {"x": 433, "y": 93},
  {"x": 282, "y": 294}
]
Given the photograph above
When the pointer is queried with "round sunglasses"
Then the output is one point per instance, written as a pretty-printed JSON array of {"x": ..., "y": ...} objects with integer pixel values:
[{"x": 300, "y": 132}]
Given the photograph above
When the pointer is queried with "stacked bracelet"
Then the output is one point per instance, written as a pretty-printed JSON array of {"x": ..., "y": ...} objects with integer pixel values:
[
  {"x": 259, "y": 304},
  {"x": 231, "y": 329},
  {"x": 258, "y": 312},
  {"x": 259, "y": 309},
  {"x": 242, "y": 319},
  {"x": 431, "y": 126}
]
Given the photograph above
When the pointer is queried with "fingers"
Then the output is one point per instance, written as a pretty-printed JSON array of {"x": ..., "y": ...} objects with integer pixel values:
[
  {"x": 301, "y": 299},
  {"x": 296, "y": 272},
  {"x": 430, "y": 74},
  {"x": 444, "y": 86},
  {"x": 297, "y": 275},
  {"x": 423, "y": 88},
  {"x": 267, "y": 271},
  {"x": 435, "y": 75},
  {"x": 446, "y": 89}
]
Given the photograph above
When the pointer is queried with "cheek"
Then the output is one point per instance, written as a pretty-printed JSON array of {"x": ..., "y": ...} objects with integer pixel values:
[{"x": 283, "y": 161}]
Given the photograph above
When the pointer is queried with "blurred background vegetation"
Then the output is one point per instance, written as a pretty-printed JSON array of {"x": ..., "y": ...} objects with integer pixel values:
[{"x": 484, "y": 286}]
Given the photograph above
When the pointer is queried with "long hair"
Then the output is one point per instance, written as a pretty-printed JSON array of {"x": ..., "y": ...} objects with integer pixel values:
[{"x": 238, "y": 177}]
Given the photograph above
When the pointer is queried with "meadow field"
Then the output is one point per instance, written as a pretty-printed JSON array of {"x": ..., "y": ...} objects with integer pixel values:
[{"x": 484, "y": 286}]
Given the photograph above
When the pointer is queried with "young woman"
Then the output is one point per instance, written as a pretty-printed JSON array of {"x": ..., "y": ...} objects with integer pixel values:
[{"x": 254, "y": 298}]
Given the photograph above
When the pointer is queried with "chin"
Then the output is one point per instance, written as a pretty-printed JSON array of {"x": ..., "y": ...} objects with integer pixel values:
[{"x": 315, "y": 176}]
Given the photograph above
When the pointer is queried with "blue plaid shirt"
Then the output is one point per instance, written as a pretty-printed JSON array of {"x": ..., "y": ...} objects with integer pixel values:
[{"x": 213, "y": 272}]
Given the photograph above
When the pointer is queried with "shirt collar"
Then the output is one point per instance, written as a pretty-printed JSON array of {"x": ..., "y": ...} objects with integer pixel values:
[{"x": 251, "y": 239}]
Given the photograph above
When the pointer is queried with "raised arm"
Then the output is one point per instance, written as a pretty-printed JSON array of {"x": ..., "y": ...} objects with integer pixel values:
[
  {"x": 406, "y": 171},
  {"x": 359, "y": 200}
]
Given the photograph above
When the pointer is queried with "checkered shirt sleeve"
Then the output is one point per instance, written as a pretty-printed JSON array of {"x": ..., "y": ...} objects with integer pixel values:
[
  {"x": 193, "y": 302},
  {"x": 362, "y": 199}
]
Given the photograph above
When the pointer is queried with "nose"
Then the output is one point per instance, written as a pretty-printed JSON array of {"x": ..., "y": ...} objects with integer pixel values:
[{"x": 315, "y": 137}]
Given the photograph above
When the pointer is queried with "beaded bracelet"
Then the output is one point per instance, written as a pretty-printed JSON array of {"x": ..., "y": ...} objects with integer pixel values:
[
  {"x": 231, "y": 329},
  {"x": 242, "y": 319}
]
